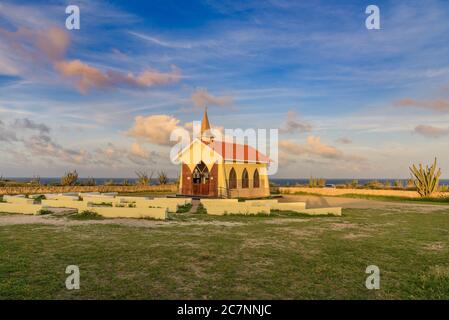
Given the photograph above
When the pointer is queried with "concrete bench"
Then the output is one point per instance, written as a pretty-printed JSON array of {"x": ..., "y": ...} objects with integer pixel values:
[
  {"x": 115, "y": 212},
  {"x": 80, "y": 205},
  {"x": 18, "y": 200},
  {"x": 268, "y": 202},
  {"x": 289, "y": 206},
  {"x": 236, "y": 208},
  {"x": 100, "y": 199},
  {"x": 20, "y": 208}
]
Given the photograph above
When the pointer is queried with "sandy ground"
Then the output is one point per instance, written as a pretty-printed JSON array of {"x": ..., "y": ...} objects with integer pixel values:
[
  {"x": 13, "y": 219},
  {"x": 320, "y": 201}
]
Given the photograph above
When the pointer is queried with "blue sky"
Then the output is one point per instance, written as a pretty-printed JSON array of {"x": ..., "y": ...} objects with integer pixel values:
[{"x": 349, "y": 102}]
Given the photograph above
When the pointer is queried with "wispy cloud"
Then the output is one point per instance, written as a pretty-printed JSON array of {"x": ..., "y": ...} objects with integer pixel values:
[
  {"x": 440, "y": 105},
  {"x": 294, "y": 124},
  {"x": 202, "y": 98},
  {"x": 431, "y": 131}
]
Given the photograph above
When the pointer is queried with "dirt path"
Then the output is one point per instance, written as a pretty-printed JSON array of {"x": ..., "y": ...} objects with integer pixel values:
[
  {"x": 320, "y": 201},
  {"x": 195, "y": 204},
  {"x": 16, "y": 219}
]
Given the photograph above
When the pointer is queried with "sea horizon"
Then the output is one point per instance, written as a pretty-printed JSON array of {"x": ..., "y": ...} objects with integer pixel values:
[{"x": 278, "y": 181}]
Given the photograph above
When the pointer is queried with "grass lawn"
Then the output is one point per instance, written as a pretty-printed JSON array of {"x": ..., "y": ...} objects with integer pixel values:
[
  {"x": 233, "y": 257},
  {"x": 424, "y": 200}
]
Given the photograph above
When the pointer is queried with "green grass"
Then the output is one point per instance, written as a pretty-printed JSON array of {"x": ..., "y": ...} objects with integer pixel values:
[
  {"x": 85, "y": 215},
  {"x": 44, "y": 212},
  {"x": 185, "y": 208},
  {"x": 424, "y": 200},
  {"x": 285, "y": 256}
]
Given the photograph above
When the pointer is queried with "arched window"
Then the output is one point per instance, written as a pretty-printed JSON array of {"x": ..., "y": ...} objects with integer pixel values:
[
  {"x": 256, "y": 181},
  {"x": 232, "y": 179},
  {"x": 245, "y": 179}
]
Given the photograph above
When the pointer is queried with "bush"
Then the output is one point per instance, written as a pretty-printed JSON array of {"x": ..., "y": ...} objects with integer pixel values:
[
  {"x": 374, "y": 185},
  {"x": 352, "y": 184},
  {"x": 44, "y": 212},
  {"x": 184, "y": 208},
  {"x": 69, "y": 178},
  {"x": 144, "y": 178},
  {"x": 399, "y": 184},
  {"x": 90, "y": 182},
  {"x": 316, "y": 182},
  {"x": 162, "y": 177},
  {"x": 86, "y": 215},
  {"x": 109, "y": 182},
  {"x": 201, "y": 209}
]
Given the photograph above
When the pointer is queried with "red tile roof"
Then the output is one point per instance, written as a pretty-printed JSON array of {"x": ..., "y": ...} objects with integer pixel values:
[{"x": 237, "y": 152}]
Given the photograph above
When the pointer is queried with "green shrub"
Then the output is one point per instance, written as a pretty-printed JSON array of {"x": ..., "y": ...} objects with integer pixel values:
[
  {"x": 69, "y": 178},
  {"x": 144, "y": 178},
  {"x": 90, "y": 182},
  {"x": 317, "y": 182},
  {"x": 44, "y": 212},
  {"x": 374, "y": 184},
  {"x": 162, "y": 177},
  {"x": 86, "y": 215},
  {"x": 398, "y": 184},
  {"x": 201, "y": 209},
  {"x": 103, "y": 204},
  {"x": 184, "y": 208}
]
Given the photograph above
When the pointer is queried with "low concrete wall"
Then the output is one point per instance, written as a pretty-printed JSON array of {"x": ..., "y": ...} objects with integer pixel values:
[
  {"x": 289, "y": 206},
  {"x": 80, "y": 205},
  {"x": 219, "y": 200},
  {"x": 65, "y": 189},
  {"x": 338, "y": 192},
  {"x": 221, "y": 207},
  {"x": 239, "y": 208},
  {"x": 20, "y": 208},
  {"x": 100, "y": 199},
  {"x": 271, "y": 202},
  {"x": 18, "y": 200}
]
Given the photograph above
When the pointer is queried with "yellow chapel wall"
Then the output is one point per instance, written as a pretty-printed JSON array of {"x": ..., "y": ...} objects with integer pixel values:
[{"x": 250, "y": 192}]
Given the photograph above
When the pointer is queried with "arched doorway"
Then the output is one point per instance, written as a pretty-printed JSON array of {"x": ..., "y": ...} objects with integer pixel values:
[{"x": 200, "y": 179}]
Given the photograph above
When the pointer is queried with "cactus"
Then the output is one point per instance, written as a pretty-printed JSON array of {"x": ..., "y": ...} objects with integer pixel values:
[
  {"x": 70, "y": 178},
  {"x": 426, "y": 180}
]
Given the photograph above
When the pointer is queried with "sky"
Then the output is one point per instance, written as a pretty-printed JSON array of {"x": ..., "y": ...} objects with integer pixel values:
[{"x": 348, "y": 102}]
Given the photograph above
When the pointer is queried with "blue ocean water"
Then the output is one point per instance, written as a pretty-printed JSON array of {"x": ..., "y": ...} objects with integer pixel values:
[
  {"x": 278, "y": 181},
  {"x": 287, "y": 182}
]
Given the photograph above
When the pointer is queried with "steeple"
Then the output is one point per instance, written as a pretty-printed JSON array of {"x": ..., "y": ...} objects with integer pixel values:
[
  {"x": 206, "y": 135},
  {"x": 205, "y": 126}
]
